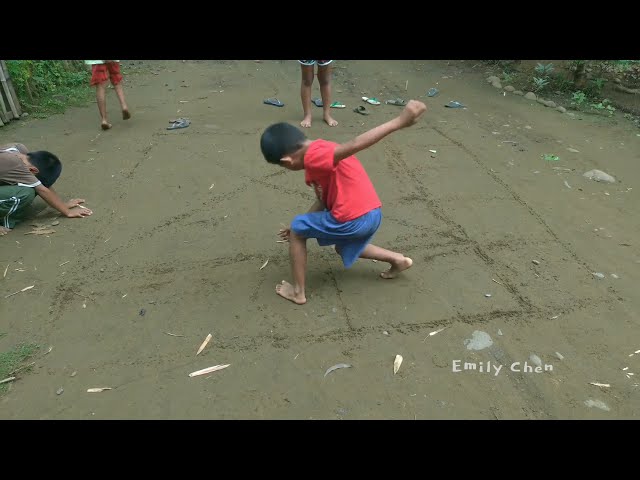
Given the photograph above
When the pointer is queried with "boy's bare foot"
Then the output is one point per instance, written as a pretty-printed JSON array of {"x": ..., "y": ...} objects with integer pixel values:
[
  {"x": 106, "y": 125},
  {"x": 286, "y": 290},
  {"x": 396, "y": 268},
  {"x": 330, "y": 121},
  {"x": 306, "y": 122},
  {"x": 4, "y": 231},
  {"x": 126, "y": 115}
]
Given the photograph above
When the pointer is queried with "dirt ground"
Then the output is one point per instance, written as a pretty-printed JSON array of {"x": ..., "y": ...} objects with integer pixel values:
[{"x": 183, "y": 220}]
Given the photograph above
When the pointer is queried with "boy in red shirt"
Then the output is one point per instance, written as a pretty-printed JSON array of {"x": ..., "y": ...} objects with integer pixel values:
[{"x": 347, "y": 210}]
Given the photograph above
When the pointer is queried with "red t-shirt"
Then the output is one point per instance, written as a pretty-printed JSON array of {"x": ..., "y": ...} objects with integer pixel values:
[{"x": 346, "y": 190}]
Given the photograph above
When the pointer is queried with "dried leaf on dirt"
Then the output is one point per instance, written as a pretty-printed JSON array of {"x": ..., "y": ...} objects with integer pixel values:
[
  {"x": 431, "y": 334},
  {"x": 204, "y": 371},
  {"x": 23, "y": 290},
  {"x": 396, "y": 364},
  {"x": 40, "y": 232},
  {"x": 204, "y": 344},
  {"x": 336, "y": 367}
]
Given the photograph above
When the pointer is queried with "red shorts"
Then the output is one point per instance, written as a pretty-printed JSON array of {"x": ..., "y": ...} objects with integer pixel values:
[{"x": 104, "y": 72}]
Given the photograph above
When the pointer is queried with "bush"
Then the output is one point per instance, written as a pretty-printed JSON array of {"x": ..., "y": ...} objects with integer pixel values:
[{"x": 49, "y": 86}]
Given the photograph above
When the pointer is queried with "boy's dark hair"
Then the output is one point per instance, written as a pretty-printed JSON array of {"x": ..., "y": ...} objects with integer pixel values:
[
  {"x": 280, "y": 140},
  {"x": 48, "y": 165}
]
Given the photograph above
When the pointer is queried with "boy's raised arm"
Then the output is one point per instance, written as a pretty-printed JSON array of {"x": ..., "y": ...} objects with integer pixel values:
[{"x": 407, "y": 117}]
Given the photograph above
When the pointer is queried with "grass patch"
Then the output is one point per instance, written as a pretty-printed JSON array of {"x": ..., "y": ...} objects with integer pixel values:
[
  {"x": 64, "y": 98},
  {"x": 13, "y": 359},
  {"x": 46, "y": 87}
]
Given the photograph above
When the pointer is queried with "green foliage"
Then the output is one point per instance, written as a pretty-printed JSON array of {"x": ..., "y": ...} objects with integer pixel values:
[
  {"x": 540, "y": 83},
  {"x": 604, "y": 105},
  {"x": 598, "y": 83},
  {"x": 625, "y": 64},
  {"x": 578, "y": 98},
  {"x": 560, "y": 83},
  {"x": 543, "y": 79},
  {"x": 49, "y": 86},
  {"x": 544, "y": 70},
  {"x": 11, "y": 360},
  {"x": 507, "y": 77}
]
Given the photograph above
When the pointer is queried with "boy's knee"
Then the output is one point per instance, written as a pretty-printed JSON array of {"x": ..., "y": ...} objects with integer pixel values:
[
  {"x": 295, "y": 232},
  {"x": 299, "y": 228},
  {"x": 14, "y": 202},
  {"x": 297, "y": 224}
]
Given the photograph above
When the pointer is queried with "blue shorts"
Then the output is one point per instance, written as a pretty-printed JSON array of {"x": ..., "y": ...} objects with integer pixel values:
[
  {"x": 350, "y": 238},
  {"x": 310, "y": 63}
]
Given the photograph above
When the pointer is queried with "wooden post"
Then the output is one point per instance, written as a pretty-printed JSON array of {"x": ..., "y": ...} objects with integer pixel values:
[
  {"x": 5, "y": 116},
  {"x": 7, "y": 85}
]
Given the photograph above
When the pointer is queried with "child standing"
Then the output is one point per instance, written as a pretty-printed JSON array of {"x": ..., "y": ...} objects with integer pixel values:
[
  {"x": 347, "y": 212},
  {"x": 101, "y": 72},
  {"x": 324, "y": 79}
]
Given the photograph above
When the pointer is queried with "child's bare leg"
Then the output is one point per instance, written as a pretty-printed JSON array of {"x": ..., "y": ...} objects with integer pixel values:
[
  {"x": 101, "y": 98},
  {"x": 298, "y": 258},
  {"x": 305, "y": 94},
  {"x": 398, "y": 261},
  {"x": 123, "y": 104},
  {"x": 324, "y": 78}
]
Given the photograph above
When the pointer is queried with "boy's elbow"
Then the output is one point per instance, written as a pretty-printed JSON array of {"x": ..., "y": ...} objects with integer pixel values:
[{"x": 41, "y": 189}]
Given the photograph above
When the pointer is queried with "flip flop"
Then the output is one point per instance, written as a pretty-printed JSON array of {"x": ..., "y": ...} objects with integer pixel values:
[
  {"x": 273, "y": 101},
  {"x": 455, "y": 104},
  {"x": 338, "y": 105},
  {"x": 372, "y": 100},
  {"x": 317, "y": 102},
  {"x": 396, "y": 101},
  {"x": 361, "y": 110},
  {"x": 433, "y": 92},
  {"x": 179, "y": 123}
]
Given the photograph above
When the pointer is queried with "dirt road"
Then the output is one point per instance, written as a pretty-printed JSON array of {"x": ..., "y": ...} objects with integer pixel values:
[{"x": 183, "y": 220}]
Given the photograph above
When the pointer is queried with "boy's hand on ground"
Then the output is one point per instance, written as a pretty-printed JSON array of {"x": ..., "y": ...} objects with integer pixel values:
[
  {"x": 75, "y": 202},
  {"x": 80, "y": 212},
  {"x": 412, "y": 112},
  {"x": 284, "y": 233}
]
